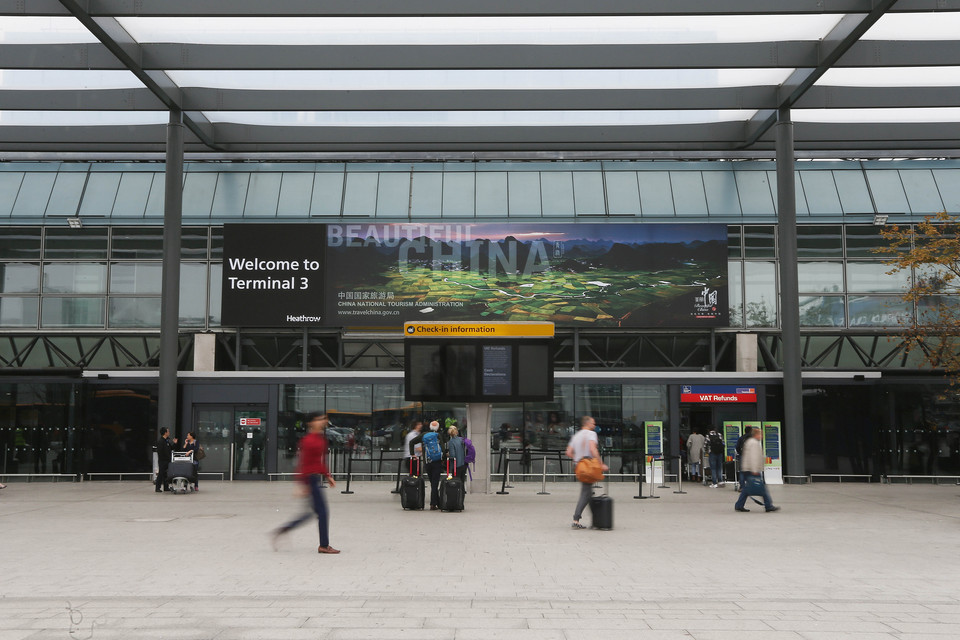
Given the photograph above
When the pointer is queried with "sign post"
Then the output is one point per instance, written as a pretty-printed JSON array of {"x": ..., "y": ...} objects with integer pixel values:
[
  {"x": 773, "y": 463},
  {"x": 653, "y": 447}
]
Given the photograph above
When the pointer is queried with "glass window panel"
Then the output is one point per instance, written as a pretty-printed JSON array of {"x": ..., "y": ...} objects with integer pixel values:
[
  {"x": 72, "y": 312},
  {"x": 492, "y": 193},
  {"x": 216, "y": 284},
  {"x": 821, "y": 192},
  {"x": 393, "y": 195},
  {"x": 33, "y": 195},
  {"x": 640, "y": 403},
  {"x": 878, "y": 311},
  {"x": 216, "y": 243},
  {"x": 88, "y": 242},
  {"x": 230, "y": 195},
  {"x": 19, "y": 311},
  {"x": 155, "y": 199},
  {"x": 193, "y": 294},
  {"x": 604, "y": 403},
  {"x": 302, "y": 398},
  {"x": 760, "y": 241},
  {"x": 948, "y": 183},
  {"x": 75, "y": 277},
  {"x": 819, "y": 241},
  {"x": 547, "y": 426},
  {"x": 134, "y": 312},
  {"x": 735, "y": 292},
  {"x": 65, "y": 197},
  {"x": 688, "y": 195},
  {"x": 753, "y": 188},
  {"x": 136, "y": 277},
  {"x": 888, "y": 193},
  {"x": 132, "y": 195},
  {"x": 588, "y": 193},
  {"x": 822, "y": 311},
  {"x": 734, "y": 242},
  {"x": 867, "y": 277},
  {"x": 19, "y": 277},
  {"x": 100, "y": 194},
  {"x": 393, "y": 416},
  {"x": 921, "y": 191},
  {"x": 760, "y": 287},
  {"x": 427, "y": 197},
  {"x": 349, "y": 407},
  {"x": 360, "y": 195},
  {"x": 193, "y": 242},
  {"x": 862, "y": 240},
  {"x": 656, "y": 195},
  {"x": 459, "y": 196},
  {"x": 327, "y": 194},
  {"x": 938, "y": 311},
  {"x": 721, "y": 190},
  {"x": 198, "y": 190},
  {"x": 20, "y": 242},
  {"x": 801, "y": 198},
  {"x": 524, "y": 192},
  {"x": 820, "y": 277},
  {"x": 623, "y": 192},
  {"x": 556, "y": 189},
  {"x": 938, "y": 277},
  {"x": 852, "y": 189},
  {"x": 139, "y": 242},
  {"x": 296, "y": 190},
  {"x": 263, "y": 195},
  {"x": 9, "y": 189}
]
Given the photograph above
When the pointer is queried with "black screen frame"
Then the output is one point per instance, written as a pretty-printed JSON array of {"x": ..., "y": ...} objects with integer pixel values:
[{"x": 476, "y": 394}]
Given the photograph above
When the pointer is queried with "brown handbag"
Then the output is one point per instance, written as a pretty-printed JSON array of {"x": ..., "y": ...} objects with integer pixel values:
[{"x": 589, "y": 470}]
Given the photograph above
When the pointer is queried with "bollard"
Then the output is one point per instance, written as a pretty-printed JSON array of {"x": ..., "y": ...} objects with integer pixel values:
[
  {"x": 233, "y": 454},
  {"x": 680, "y": 476},
  {"x": 506, "y": 472},
  {"x": 349, "y": 474},
  {"x": 543, "y": 483}
]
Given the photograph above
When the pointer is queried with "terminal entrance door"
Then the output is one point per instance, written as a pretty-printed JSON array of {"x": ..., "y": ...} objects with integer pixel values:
[{"x": 244, "y": 426}]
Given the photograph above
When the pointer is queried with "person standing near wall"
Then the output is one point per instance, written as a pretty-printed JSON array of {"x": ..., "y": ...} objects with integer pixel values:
[
  {"x": 164, "y": 449},
  {"x": 694, "y": 455},
  {"x": 716, "y": 447},
  {"x": 311, "y": 471},
  {"x": 584, "y": 444}
]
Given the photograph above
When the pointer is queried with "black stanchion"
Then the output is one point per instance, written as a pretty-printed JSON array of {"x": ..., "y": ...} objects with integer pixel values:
[
  {"x": 640, "y": 495},
  {"x": 399, "y": 471},
  {"x": 680, "y": 475},
  {"x": 506, "y": 471},
  {"x": 349, "y": 474}
]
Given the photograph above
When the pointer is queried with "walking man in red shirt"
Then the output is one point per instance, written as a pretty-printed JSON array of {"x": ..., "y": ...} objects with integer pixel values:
[{"x": 311, "y": 470}]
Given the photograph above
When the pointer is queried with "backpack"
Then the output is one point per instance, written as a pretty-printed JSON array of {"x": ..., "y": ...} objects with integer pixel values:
[
  {"x": 716, "y": 443},
  {"x": 470, "y": 454},
  {"x": 199, "y": 454},
  {"x": 431, "y": 447}
]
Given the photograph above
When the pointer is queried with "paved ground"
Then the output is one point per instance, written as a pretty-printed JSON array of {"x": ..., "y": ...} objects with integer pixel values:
[{"x": 115, "y": 560}]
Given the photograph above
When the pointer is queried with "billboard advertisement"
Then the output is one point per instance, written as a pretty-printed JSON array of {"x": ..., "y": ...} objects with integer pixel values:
[
  {"x": 273, "y": 275},
  {"x": 575, "y": 275}
]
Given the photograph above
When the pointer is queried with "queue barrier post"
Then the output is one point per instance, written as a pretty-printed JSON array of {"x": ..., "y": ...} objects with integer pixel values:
[
  {"x": 349, "y": 474},
  {"x": 543, "y": 482},
  {"x": 680, "y": 476},
  {"x": 652, "y": 481},
  {"x": 663, "y": 474},
  {"x": 640, "y": 495},
  {"x": 506, "y": 472},
  {"x": 399, "y": 471}
]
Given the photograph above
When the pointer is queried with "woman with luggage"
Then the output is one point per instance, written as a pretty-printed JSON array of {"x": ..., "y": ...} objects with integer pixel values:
[
  {"x": 311, "y": 471},
  {"x": 457, "y": 453},
  {"x": 190, "y": 445}
]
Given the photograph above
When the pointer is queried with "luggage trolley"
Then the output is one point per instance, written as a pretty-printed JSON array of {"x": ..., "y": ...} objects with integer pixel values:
[{"x": 182, "y": 472}]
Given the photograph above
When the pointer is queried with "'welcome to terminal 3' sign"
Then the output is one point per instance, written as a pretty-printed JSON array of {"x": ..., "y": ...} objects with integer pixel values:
[{"x": 383, "y": 275}]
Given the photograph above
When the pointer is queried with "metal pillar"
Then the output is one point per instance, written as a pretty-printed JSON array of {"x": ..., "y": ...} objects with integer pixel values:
[
  {"x": 478, "y": 430},
  {"x": 170, "y": 287},
  {"x": 789, "y": 297}
]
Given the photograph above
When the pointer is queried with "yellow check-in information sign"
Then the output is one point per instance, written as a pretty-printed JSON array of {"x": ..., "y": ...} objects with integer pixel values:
[{"x": 478, "y": 329}]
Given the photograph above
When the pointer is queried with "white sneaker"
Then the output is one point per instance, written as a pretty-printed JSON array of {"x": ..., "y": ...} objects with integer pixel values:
[{"x": 713, "y": 486}]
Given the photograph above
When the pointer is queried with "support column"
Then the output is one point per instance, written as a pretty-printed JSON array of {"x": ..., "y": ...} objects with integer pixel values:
[
  {"x": 478, "y": 430},
  {"x": 170, "y": 286},
  {"x": 789, "y": 298}
]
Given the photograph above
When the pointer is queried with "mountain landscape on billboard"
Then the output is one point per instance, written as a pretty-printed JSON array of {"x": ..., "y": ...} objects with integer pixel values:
[{"x": 574, "y": 275}]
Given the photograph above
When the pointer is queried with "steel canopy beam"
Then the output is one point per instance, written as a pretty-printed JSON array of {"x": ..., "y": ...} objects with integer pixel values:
[
  {"x": 841, "y": 40},
  {"x": 419, "y": 8},
  {"x": 130, "y": 54}
]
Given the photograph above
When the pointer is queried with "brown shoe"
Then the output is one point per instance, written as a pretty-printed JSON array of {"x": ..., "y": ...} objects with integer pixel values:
[{"x": 327, "y": 549}]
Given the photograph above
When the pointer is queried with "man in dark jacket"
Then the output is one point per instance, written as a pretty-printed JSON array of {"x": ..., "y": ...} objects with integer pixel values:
[{"x": 164, "y": 448}]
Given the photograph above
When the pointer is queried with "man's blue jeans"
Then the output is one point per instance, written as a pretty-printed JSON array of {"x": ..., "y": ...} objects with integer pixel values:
[
  {"x": 716, "y": 467},
  {"x": 742, "y": 500}
]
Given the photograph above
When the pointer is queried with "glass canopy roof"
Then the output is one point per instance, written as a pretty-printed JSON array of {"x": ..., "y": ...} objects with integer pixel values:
[{"x": 610, "y": 76}]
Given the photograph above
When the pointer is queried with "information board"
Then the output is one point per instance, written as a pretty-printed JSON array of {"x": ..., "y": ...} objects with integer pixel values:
[
  {"x": 731, "y": 433},
  {"x": 653, "y": 447},
  {"x": 772, "y": 463},
  {"x": 497, "y": 369}
]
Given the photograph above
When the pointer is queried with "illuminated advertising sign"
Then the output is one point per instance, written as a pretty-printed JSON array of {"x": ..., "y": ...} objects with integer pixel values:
[{"x": 717, "y": 393}]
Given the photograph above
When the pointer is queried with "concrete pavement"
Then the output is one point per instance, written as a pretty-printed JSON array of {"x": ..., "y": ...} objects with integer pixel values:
[{"x": 115, "y": 560}]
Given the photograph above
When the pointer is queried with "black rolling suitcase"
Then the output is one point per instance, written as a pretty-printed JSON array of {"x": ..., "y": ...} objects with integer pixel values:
[
  {"x": 602, "y": 509},
  {"x": 451, "y": 492},
  {"x": 412, "y": 489}
]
